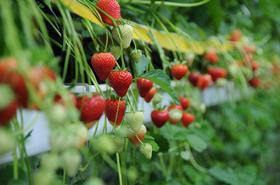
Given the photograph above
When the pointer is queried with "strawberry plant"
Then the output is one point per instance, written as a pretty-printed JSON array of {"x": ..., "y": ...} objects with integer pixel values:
[{"x": 139, "y": 92}]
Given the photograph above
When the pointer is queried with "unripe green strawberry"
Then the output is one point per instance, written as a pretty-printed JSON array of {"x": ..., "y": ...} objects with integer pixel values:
[
  {"x": 44, "y": 177},
  {"x": 221, "y": 82},
  {"x": 57, "y": 114},
  {"x": 136, "y": 55},
  {"x": 119, "y": 143},
  {"x": 157, "y": 99},
  {"x": 116, "y": 51},
  {"x": 147, "y": 150},
  {"x": 175, "y": 115},
  {"x": 135, "y": 120},
  {"x": 7, "y": 92},
  {"x": 132, "y": 173},
  {"x": 71, "y": 161},
  {"x": 50, "y": 161},
  {"x": 7, "y": 141},
  {"x": 123, "y": 35},
  {"x": 94, "y": 181},
  {"x": 104, "y": 144}
]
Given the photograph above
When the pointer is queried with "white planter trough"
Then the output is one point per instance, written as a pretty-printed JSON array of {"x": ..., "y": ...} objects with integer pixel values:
[{"x": 35, "y": 121}]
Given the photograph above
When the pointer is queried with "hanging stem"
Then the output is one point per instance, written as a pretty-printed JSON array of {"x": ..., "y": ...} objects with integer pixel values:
[{"x": 119, "y": 168}]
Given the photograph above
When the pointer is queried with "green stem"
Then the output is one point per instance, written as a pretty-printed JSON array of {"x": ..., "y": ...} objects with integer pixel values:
[
  {"x": 119, "y": 168},
  {"x": 167, "y": 3}
]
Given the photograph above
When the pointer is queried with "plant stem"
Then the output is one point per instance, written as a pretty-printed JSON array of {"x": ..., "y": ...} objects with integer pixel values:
[{"x": 119, "y": 168}]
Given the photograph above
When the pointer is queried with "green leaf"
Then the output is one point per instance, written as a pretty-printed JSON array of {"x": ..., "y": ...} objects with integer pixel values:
[
  {"x": 196, "y": 143},
  {"x": 225, "y": 175},
  {"x": 161, "y": 79},
  {"x": 141, "y": 65},
  {"x": 154, "y": 145},
  {"x": 246, "y": 175}
]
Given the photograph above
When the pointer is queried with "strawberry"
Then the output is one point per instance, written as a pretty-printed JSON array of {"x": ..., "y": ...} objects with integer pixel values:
[
  {"x": 103, "y": 64},
  {"x": 248, "y": 57},
  {"x": 8, "y": 104},
  {"x": 193, "y": 78},
  {"x": 254, "y": 82},
  {"x": 40, "y": 73},
  {"x": 91, "y": 109},
  {"x": 211, "y": 56},
  {"x": 204, "y": 81},
  {"x": 254, "y": 66},
  {"x": 187, "y": 119},
  {"x": 115, "y": 110},
  {"x": 144, "y": 86},
  {"x": 249, "y": 49},
  {"x": 159, "y": 118},
  {"x": 178, "y": 71},
  {"x": 175, "y": 115},
  {"x": 174, "y": 106},
  {"x": 123, "y": 35},
  {"x": 216, "y": 73},
  {"x": 7, "y": 113},
  {"x": 120, "y": 81},
  {"x": 134, "y": 120},
  {"x": 10, "y": 76},
  {"x": 147, "y": 150},
  {"x": 139, "y": 136},
  {"x": 185, "y": 103},
  {"x": 149, "y": 96},
  {"x": 235, "y": 35},
  {"x": 109, "y": 9},
  {"x": 136, "y": 55}
]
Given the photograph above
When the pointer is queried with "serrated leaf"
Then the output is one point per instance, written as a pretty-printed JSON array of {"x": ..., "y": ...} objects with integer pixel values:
[
  {"x": 196, "y": 143},
  {"x": 161, "y": 79}
]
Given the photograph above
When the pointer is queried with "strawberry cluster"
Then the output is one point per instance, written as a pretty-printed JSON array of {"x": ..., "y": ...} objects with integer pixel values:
[
  {"x": 173, "y": 114},
  {"x": 13, "y": 77}
]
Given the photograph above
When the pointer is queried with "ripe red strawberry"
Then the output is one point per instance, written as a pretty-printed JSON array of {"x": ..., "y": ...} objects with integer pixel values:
[
  {"x": 159, "y": 118},
  {"x": 9, "y": 76},
  {"x": 254, "y": 82},
  {"x": 91, "y": 109},
  {"x": 144, "y": 86},
  {"x": 193, "y": 78},
  {"x": 217, "y": 72},
  {"x": 204, "y": 81},
  {"x": 178, "y": 71},
  {"x": 7, "y": 113},
  {"x": 120, "y": 81},
  {"x": 211, "y": 56},
  {"x": 187, "y": 119},
  {"x": 103, "y": 64},
  {"x": 185, "y": 103},
  {"x": 235, "y": 35},
  {"x": 111, "y": 8},
  {"x": 249, "y": 49},
  {"x": 248, "y": 58},
  {"x": 136, "y": 138},
  {"x": 254, "y": 66},
  {"x": 149, "y": 96},
  {"x": 115, "y": 110}
]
